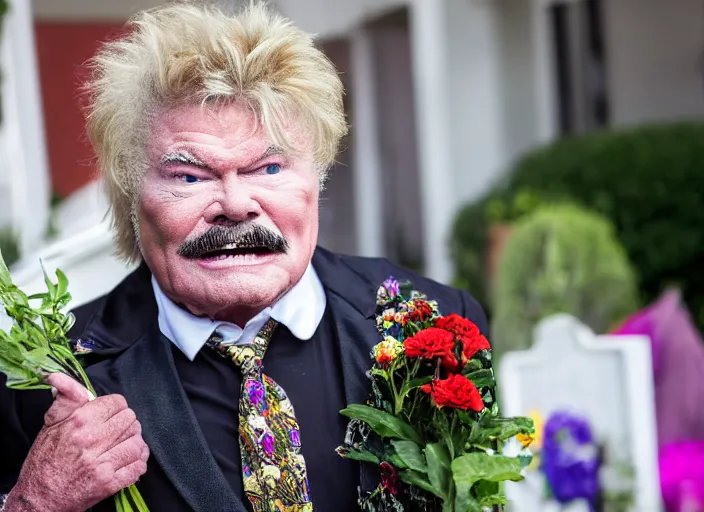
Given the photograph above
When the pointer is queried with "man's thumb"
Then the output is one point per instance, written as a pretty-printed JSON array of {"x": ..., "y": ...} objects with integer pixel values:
[{"x": 69, "y": 389}]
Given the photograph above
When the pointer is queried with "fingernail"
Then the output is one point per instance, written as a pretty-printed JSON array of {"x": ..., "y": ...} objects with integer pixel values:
[{"x": 54, "y": 391}]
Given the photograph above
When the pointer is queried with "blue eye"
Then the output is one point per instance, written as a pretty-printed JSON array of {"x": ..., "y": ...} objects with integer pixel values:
[
  {"x": 273, "y": 169},
  {"x": 189, "y": 178}
]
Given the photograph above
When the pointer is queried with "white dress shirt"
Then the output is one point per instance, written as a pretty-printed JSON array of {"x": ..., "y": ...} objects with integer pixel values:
[{"x": 301, "y": 310}]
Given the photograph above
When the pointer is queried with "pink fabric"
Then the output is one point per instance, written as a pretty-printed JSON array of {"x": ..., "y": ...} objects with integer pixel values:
[
  {"x": 678, "y": 366},
  {"x": 678, "y": 369}
]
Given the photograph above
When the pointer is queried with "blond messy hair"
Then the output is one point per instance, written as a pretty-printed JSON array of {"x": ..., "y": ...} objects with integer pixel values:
[{"x": 184, "y": 53}]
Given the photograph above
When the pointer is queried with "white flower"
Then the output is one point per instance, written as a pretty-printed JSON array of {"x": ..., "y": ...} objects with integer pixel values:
[{"x": 512, "y": 448}]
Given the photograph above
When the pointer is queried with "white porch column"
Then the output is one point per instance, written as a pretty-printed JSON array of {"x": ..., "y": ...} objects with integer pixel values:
[
  {"x": 430, "y": 74},
  {"x": 22, "y": 134},
  {"x": 366, "y": 166}
]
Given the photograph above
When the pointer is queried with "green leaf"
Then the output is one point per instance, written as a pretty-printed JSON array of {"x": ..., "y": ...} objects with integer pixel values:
[
  {"x": 491, "y": 428},
  {"x": 439, "y": 468},
  {"x": 5, "y": 279},
  {"x": 486, "y": 489},
  {"x": 481, "y": 378},
  {"x": 383, "y": 423},
  {"x": 37, "y": 357},
  {"x": 62, "y": 286},
  {"x": 414, "y": 384},
  {"x": 360, "y": 455},
  {"x": 471, "y": 468},
  {"x": 411, "y": 455},
  {"x": 51, "y": 287},
  {"x": 472, "y": 364},
  {"x": 419, "y": 480}
]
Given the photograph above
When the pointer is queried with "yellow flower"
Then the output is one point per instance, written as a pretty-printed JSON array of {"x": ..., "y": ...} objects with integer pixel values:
[
  {"x": 535, "y": 439},
  {"x": 387, "y": 350},
  {"x": 526, "y": 439}
]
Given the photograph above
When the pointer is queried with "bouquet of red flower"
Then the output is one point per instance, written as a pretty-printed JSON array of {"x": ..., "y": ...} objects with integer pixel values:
[{"x": 432, "y": 424}]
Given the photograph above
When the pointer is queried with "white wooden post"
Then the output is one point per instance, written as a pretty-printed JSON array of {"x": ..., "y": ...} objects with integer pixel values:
[
  {"x": 22, "y": 133},
  {"x": 435, "y": 148}
]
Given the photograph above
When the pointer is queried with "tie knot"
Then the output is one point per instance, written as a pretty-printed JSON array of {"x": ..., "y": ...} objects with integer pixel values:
[{"x": 247, "y": 357}]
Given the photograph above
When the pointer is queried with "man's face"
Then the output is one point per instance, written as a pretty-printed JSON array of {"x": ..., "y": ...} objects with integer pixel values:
[{"x": 227, "y": 222}]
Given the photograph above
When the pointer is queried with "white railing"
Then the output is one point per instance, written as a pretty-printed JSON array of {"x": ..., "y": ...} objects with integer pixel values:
[{"x": 87, "y": 258}]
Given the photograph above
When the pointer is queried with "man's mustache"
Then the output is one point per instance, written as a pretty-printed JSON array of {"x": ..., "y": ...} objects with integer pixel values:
[{"x": 238, "y": 236}]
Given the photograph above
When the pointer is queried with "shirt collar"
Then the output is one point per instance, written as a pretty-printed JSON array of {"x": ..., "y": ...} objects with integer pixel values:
[{"x": 301, "y": 310}]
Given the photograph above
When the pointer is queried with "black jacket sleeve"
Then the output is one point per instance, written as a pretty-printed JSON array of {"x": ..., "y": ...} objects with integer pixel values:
[{"x": 21, "y": 419}]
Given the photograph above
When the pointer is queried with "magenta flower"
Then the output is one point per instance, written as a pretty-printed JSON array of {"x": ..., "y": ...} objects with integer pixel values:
[
  {"x": 392, "y": 286},
  {"x": 682, "y": 476}
]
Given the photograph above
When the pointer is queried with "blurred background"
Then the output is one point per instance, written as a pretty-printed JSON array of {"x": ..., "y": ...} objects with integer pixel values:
[{"x": 546, "y": 155}]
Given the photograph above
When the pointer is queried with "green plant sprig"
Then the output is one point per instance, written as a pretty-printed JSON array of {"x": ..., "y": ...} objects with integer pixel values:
[{"x": 37, "y": 345}]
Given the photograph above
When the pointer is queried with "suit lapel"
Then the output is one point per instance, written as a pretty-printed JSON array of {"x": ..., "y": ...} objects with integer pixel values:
[
  {"x": 150, "y": 384},
  {"x": 146, "y": 375},
  {"x": 352, "y": 301}
]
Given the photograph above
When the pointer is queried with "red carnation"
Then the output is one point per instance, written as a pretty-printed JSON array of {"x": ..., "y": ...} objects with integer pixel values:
[
  {"x": 421, "y": 311},
  {"x": 389, "y": 478},
  {"x": 457, "y": 391},
  {"x": 467, "y": 332},
  {"x": 431, "y": 343}
]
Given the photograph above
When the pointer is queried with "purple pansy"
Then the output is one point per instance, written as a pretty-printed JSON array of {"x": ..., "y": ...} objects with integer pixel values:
[{"x": 570, "y": 458}]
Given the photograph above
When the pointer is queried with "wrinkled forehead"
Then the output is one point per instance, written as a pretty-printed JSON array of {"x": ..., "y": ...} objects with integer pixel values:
[{"x": 191, "y": 133}]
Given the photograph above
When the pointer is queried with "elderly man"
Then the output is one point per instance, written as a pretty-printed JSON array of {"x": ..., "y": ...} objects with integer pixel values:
[{"x": 214, "y": 134}]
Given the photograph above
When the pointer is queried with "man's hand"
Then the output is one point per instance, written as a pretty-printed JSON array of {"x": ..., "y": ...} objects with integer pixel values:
[{"x": 87, "y": 451}]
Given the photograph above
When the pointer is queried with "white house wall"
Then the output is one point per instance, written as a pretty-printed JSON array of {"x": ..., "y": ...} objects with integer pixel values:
[
  {"x": 655, "y": 52},
  {"x": 332, "y": 18},
  {"x": 327, "y": 18}
]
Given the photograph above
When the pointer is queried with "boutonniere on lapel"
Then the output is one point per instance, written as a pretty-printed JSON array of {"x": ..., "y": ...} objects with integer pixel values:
[
  {"x": 34, "y": 344},
  {"x": 432, "y": 424}
]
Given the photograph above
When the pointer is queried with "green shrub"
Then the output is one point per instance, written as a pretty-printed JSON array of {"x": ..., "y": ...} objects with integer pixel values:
[
  {"x": 9, "y": 246},
  {"x": 648, "y": 181},
  {"x": 560, "y": 259}
]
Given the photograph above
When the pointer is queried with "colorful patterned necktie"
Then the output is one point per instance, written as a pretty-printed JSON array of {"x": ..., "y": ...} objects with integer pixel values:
[{"x": 273, "y": 469}]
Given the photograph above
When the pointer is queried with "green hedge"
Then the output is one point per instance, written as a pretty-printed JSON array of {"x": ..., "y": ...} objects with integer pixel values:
[
  {"x": 649, "y": 181},
  {"x": 560, "y": 259}
]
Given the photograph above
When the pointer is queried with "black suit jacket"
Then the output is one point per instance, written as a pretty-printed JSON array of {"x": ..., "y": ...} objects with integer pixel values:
[{"x": 133, "y": 358}]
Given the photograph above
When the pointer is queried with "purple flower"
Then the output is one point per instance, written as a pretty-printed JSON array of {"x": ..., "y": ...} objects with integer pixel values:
[
  {"x": 295, "y": 438},
  {"x": 570, "y": 458},
  {"x": 392, "y": 286},
  {"x": 682, "y": 476},
  {"x": 268, "y": 444}
]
